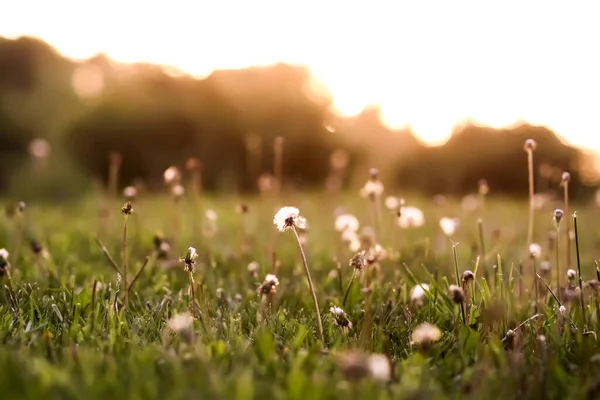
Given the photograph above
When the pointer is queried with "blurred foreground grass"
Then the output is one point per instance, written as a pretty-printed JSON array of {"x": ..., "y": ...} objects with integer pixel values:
[{"x": 60, "y": 339}]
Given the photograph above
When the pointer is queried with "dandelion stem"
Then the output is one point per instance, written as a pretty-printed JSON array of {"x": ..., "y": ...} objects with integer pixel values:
[
  {"x": 579, "y": 269},
  {"x": 558, "y": 259},
  {"x": 531, "y": 197},
  {"x": 125, "y": 282},
  {"x": 535, "y": 284},
  {"x": 310, "y": 284},
  {"x": 568, "y": 222},
  {"x": 192, "y": 294}
]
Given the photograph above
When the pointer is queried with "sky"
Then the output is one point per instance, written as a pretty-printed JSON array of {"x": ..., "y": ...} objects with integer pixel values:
[{"x": 428, "y": 64}]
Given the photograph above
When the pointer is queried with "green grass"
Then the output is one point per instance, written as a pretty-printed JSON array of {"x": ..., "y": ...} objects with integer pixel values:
[{"x": 61, "y": 341}]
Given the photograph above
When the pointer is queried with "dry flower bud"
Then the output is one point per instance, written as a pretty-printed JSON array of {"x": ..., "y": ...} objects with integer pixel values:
[
  {"x": 571, "y": 274},
  {"x": 468, "y": 276},
  {"x": 558, "y": 214},
  {"x": 530, "y": 145},
  {"x": 457, "y": 294}
]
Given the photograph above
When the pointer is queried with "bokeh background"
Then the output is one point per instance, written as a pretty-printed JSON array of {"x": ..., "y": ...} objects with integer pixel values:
[{"x": 154, "y": 116}]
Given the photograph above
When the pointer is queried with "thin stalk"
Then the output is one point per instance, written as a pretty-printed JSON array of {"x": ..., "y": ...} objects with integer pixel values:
[
  {"x": 192, "y": 294},
  {"x": 556, "y": 299},
  {"x": 568, "y": 222},
  {"x": 582, "y": 302},
  {"x": 106, "y": 253},
  {"x": 124, "y": 268},
  {"x": 531, "y": 197},
  {"x": 137, "y": 275},
  {"x": 557, "y": 259},
  {"x": 462, "y": 309},
  {"x": 535, "y": 284},
  {"x": 94, "y": 288},
  {"x": 310, "y": 284},
  {"x": 482, "y": 249},
  {"x": 455, "y": 263}
]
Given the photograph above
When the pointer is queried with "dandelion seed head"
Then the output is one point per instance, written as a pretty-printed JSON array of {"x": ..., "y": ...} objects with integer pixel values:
[
  {"x": 177, "y": 191},
  {"x": 171, "y": 175},
  {"x": 530, "y": 145},
  {"x": 410, "y": 217},
  {"x": 130, "y": 193},
  {"x": 4, "y": 254},
  {"x": 565, "y": 177},
  {"x": 571, "y": 274},
  {"x": 380, "y": 367},
  {"x": 39, "y": 148},
  {"x": 418, "y": 293},
  {"x": 449, "y": 225},
  {"x": 289, "y": 217},
  {"x": 535, "y": 250},
  {"x": 345, "y": 222},
  {"x": 392, "y": 203},
  {"x": 211, "y": 215},
  {"x": 336, "y": 310},
  {"x": 269, "y": 286},
  {"x": 180, "y": 322},
  {"x": 425, "y": 334}
]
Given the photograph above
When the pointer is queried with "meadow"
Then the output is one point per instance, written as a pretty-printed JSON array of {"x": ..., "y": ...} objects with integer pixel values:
[{"x": 211, "y": 300}]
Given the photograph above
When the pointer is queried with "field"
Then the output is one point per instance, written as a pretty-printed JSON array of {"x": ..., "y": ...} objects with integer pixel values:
[{"x": 72, "y": 327}]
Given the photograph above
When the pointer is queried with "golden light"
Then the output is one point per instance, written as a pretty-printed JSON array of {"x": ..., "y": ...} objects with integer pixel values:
[{"x": 429, "y": 65}]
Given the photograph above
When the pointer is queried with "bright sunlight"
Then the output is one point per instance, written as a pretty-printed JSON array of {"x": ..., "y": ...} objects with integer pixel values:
[{"x": 428, "y": 65}]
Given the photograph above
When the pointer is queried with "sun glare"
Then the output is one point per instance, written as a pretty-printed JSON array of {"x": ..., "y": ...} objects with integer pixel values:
[{"x": 428, "y": 65}]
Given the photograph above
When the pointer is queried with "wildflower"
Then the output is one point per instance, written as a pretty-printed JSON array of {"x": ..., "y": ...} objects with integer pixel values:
[
  {"x": 565, "y": 178},
  {"x": 127, "y": 208},
  {"x": 571, "y": 274},
  {"x": 373, "y": 187},
  {"x": 180, "y": 322},
  {"x": 375, "y": 254},
  {"x": 425, "y": 334},
  {"x": 545, "y": 267},
  {"x": 380, "y": 367},
  {"x": 358, "y": 261},
  {"x": 558, "y": 214},
  {"x": 38, "y": 249},
  {"x": 130, "y": 193},
  {"x": 392, "y": 203},
  {"x": 289, "y": 217},
  {"x": 457, "y": 294},
  {"x": 449, "y": 225},
  {"x": 192, "y": 163},
  {"x": 355, "y": 245},
  {"x": 356, "y": 366},
  {"x": 530, "y": 145},
  {"x": 253, "y": 267},
  {"x": 345, "y": 222},
  {"x": 39, "y": 148},
  {"x": 467, "y": 276},
  {"x": 562, "y": 310},
  {"x": 190, "y": 259},
  {"x": 177, "y": 191},
  {"x": 418, "y": 294},
  {"x": 469, "y": 203},
  {"x": 269, "y": 286},
  {"x": 483, "y": 187},
  {"x": 4, "y": 265},
  {"x": 410, "y": 217},
  {"x": 535, "y": 250},
  {"x": 340, "y": 317},
  {"x": 172, "y": 176},
  {"x": 242, "y": 208}
]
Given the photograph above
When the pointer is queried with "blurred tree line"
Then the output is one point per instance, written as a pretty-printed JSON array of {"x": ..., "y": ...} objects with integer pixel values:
[{"x": 155, "y": 117}]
